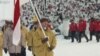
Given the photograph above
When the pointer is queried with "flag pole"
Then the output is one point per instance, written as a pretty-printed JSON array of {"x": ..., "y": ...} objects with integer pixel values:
[{"x": 38, "y": 18}]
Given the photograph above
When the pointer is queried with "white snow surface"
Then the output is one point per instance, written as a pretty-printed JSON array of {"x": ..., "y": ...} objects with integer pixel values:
[{"x": 66, "y": 48}]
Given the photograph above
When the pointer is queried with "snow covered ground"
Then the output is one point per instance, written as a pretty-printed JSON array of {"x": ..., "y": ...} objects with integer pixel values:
[{"x": 66, "y": 48}]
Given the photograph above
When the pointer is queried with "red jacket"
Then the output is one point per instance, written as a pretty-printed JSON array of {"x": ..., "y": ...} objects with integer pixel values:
[
  {"x": 92, "y": 26},
  {"x": 97, "y": 26},
  {"x": 81, "y": 26},
  {"x": 73, "y": 27}
]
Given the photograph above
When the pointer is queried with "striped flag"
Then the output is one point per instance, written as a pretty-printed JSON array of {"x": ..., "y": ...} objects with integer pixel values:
[
  {"x": 16, "y": 33},
  {"x": 16, "y": 12}
]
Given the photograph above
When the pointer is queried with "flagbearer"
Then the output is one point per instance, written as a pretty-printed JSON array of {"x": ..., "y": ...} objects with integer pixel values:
[{"x": 38, "y": 42}]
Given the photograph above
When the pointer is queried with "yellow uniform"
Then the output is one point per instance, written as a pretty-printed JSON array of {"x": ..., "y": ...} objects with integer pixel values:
[
  {"x": 1, "y": 43},
  {"x": 39, "y": 48},
  {"x": 24, "y": 33}
]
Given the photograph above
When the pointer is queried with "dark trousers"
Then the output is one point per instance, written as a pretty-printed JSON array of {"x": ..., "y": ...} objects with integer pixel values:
[
  {"x": 98, "y": 36},
  {"x": 82, "y": 34},
  {"x": 91, "y": 34},
  {"x": 73, "y": 35},
  {"x": 23, "y": 51},
  {"x": 15, "y": 54}
]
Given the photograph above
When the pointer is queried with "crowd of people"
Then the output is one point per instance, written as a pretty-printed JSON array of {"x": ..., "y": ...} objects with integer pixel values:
[
  {"x": 35, "y": 40},
  {"x": 72, "y": 8},
  {"x": 56, "y": 11},
  {"x": 77, "y": 30}
]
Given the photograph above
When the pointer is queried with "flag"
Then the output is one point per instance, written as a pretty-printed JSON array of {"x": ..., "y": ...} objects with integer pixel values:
[
  {"x": 16, "y": 33},
  {"x": 16, "y": 12}
]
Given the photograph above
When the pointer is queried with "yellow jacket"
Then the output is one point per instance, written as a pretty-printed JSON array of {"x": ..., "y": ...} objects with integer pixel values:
[
  {"x": 39, "y": 48},
  {"x": 1, "y": 39},
  {"x": 1, "y": 43},
  {"x": 31, "y": 33},
  {"x": 24, "y": 33}
]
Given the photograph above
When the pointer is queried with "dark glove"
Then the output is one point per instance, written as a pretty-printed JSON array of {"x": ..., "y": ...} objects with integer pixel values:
[
  {"x": 29, "y": 48},
  {"x": 5, "y": 50},
  {"x": 35, "y": 28},
  {"x": 23, "y": 48},
  {"x": 44, "y": 40},
  {"x": 51, "y": 48},
  {"x": 34, "y": 55}
]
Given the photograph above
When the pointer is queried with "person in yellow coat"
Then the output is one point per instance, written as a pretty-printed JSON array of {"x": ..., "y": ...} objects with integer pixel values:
[
  {"x": 1, "y": 42},
  {"x": 38, "y": 41},
  {"x": 30, "y": 41},
  {"x": 24, "y": 34},
  {"x": 31, "y": 32}
]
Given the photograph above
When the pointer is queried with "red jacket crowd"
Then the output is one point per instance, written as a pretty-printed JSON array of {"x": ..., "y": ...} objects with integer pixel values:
[{"x": 94, "y": 26}]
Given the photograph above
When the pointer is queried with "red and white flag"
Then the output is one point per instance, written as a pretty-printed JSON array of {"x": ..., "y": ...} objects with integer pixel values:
[{"x": 16, "y": 33}]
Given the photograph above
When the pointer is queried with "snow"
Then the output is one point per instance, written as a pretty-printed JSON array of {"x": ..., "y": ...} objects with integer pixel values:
[{"x": 66, "y": 48}]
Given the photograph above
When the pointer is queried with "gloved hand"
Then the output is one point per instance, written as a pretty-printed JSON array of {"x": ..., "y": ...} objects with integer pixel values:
[
  {"x": 29, "y": 48},
  {"x": 23, "y": 48},
  {"x": 35, "y": 28},
  {"x": 23, "y": 51},
  {"x": 5, "y": 50},
  {"x": 51, "y": 48},
  {"x": 44, "y": 40}
]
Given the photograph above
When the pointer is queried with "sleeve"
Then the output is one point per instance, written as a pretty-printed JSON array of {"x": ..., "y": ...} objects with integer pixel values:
[
  {"x": 1, "y": 40},
  {"x": 26, "y": 35},
  {"x": 76, "y": 26},
  {"x": 29, "y": 39},
  {"x": 53, "y": 44},
  {"x": 22, "y": 42},
  {"x": 37, "y": 39},
  {"x": 5, "y": 40},
  {"x": 25, "y": 40},
  {"x": 69, "y": 26}
]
